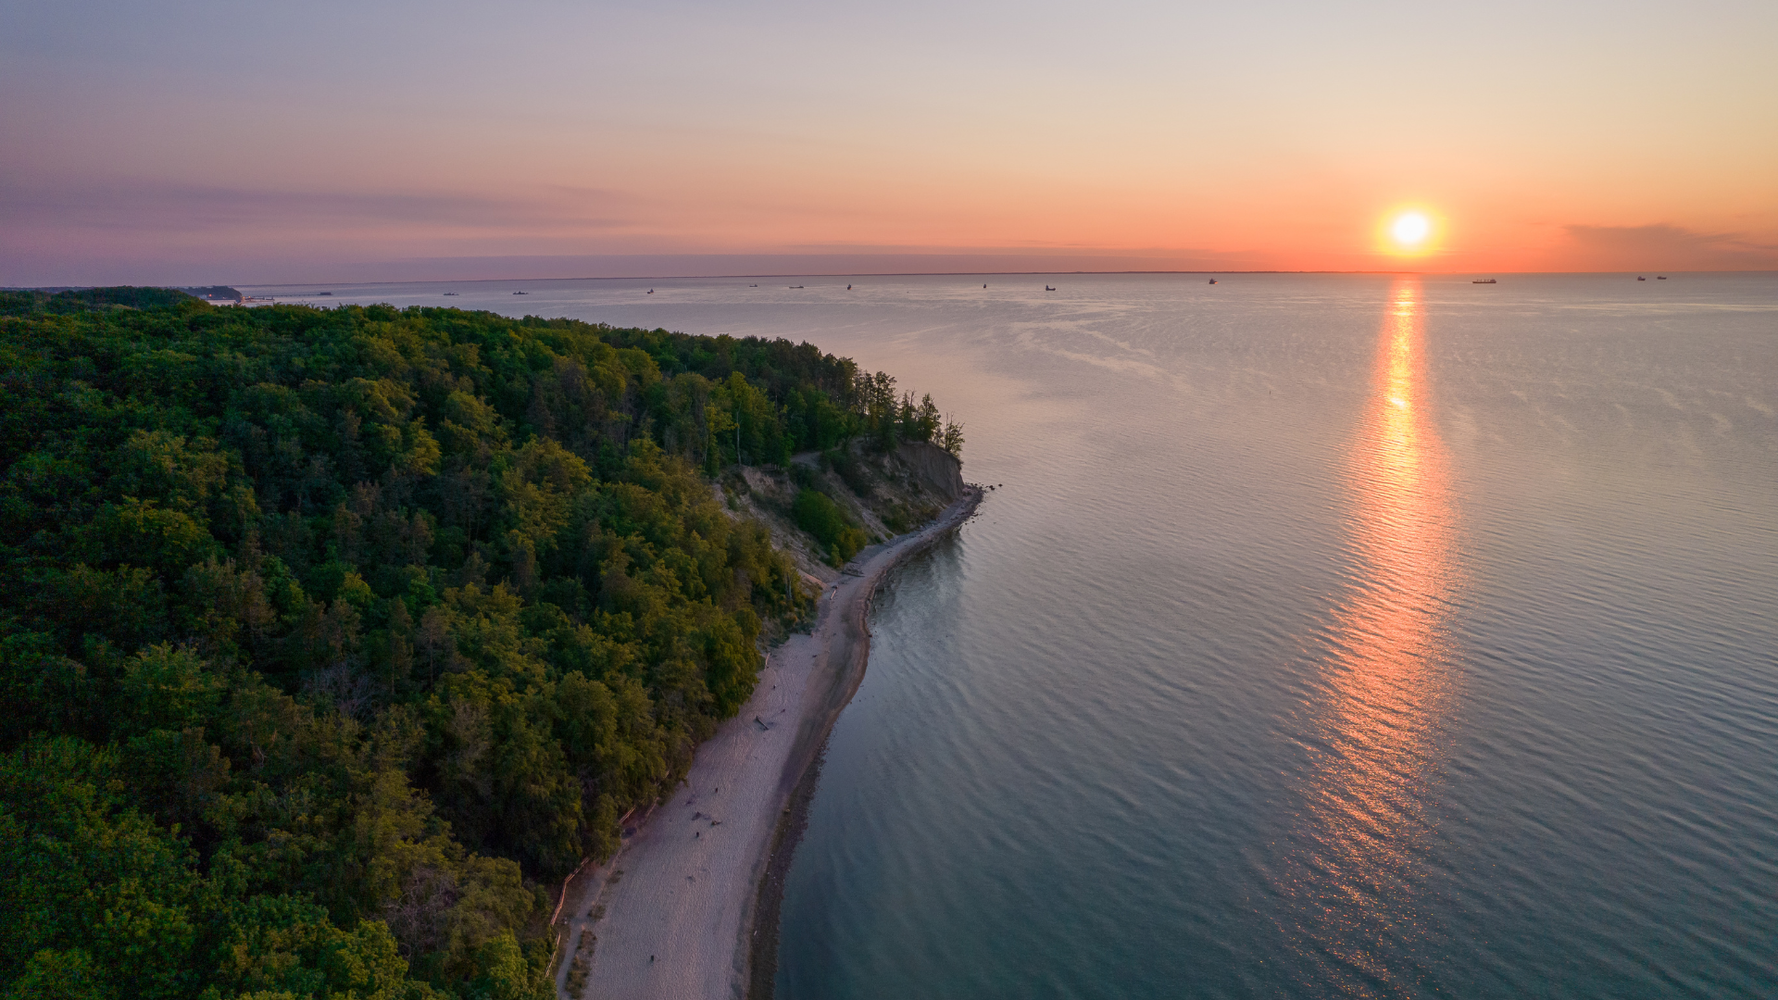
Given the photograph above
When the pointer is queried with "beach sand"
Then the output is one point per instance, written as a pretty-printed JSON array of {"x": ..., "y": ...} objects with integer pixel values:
[{"x": 672, "y": 913}]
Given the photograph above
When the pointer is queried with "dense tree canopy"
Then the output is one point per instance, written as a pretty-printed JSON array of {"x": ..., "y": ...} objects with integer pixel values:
[{"x": 328, "y": 637}]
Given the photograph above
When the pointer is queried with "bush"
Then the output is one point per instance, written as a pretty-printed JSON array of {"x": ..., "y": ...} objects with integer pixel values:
[
  {"x": 853, "y": 472},
  {"x": 817, "y": 514}
]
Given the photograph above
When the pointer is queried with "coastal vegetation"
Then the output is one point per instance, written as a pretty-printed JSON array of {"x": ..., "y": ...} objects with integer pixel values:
[
  {"x": 331, "y": 640},
  {"x": 817, "y": 514}
]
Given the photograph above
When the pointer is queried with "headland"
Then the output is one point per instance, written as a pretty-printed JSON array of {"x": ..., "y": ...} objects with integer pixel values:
[{"x": 685, "y": 908}]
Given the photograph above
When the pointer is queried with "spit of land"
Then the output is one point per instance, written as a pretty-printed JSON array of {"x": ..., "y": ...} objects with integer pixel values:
[{"x": 672, "y": 915}]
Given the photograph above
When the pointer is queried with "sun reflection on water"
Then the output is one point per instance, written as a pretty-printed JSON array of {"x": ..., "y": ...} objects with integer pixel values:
[{"x": 1377, "y": 723}]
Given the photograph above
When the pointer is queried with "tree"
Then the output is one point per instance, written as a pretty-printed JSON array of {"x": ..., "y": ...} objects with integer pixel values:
[
  {"x": 334, "y": 636},
  {"x": 953, "y": 437}
]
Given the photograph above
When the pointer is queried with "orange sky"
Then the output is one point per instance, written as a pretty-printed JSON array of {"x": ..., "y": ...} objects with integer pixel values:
[{"x": 207, "y": 141}]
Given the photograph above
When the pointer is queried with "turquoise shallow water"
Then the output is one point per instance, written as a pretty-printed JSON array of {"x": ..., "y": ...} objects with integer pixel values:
[{"x": 1331, "y": 636}]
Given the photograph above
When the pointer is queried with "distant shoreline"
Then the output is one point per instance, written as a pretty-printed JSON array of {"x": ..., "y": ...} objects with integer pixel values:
[
  {"x": 775, "y": 275},
  {"x": 849, "y": 274},
  {"x": 347, "y": 282},
  {"x": 688, "y": 906}
]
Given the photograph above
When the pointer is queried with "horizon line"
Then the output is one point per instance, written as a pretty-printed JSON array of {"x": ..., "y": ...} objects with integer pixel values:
[
  {"x": 847, "y": 274},
  {"x": 929, "y": 274}
]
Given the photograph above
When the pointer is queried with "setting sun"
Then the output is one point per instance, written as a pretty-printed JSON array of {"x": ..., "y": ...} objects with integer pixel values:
[{"x": 1411, "y": 229}]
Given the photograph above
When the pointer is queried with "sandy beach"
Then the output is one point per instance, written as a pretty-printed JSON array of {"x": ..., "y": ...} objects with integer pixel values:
[{"x": 671, "y": 915}]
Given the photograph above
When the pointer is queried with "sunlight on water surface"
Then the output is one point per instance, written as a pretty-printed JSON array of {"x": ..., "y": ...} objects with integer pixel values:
[
  {"x": 1333, "y": 635},
  {"x": 1377, "y": 731}
]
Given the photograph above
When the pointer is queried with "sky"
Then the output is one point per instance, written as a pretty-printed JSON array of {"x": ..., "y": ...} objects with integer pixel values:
[{"x": 200, "y": 141}]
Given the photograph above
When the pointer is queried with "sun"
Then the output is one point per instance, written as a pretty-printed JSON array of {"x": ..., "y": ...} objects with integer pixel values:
[{"x": 1410, "y": 229}]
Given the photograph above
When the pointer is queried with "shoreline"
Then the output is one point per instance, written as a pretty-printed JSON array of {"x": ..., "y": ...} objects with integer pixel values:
[{"x": 688, "y": 905}]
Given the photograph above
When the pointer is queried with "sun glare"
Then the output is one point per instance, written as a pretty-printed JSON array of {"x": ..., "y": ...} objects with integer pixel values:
[{"x": 1411, "y": 229}]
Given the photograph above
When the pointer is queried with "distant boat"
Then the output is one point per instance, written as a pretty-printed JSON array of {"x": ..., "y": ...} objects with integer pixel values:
[
  {"x": 1484, "y": 281},
  {"x": 1213, "y": 281},
  {"x": 323, "y": 293},
  {"x": 984, "y": 284},
  {"x": 793, "y": 286},
  {"x": 1048, "y": 288},
  {"x": 450, "y": 293},
  {"x": 1660, "y": 277},
  {"x": 651, "y": 291},
  {"x": 518, "y": 293},
  {"x": 1640, "y": 278},
  {"x": 752, "y": 286},
  {"x": 848, "y": 288}
]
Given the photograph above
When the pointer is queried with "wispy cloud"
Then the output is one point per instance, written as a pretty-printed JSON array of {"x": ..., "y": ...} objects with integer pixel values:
[
  {"x": 1036, "y": 258},
  {"x": 187, "y": 208},
  {"x": 1668, "y": 246},
  {"x": 147, "y": 231}
]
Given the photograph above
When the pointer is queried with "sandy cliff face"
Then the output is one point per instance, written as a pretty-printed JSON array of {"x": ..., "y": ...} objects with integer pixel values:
[
  {"x": 936, "y": 468},
  {"x": 887, "y": 494}
]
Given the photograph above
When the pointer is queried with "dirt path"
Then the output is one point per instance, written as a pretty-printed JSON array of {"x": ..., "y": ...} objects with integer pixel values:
[{"x": 672, "y": 912}]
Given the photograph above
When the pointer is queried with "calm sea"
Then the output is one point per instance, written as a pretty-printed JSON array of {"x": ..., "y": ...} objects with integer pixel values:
[{"x": 1330, "y": 636}]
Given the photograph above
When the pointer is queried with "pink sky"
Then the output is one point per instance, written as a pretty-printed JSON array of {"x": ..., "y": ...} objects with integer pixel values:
[{"x": 199, "y": 142}]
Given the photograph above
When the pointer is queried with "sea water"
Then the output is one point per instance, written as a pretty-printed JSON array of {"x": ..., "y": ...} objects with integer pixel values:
[{"x": 1326, "y": 635}]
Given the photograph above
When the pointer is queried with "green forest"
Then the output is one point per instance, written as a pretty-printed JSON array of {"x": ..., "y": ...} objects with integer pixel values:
[{"x": 331, "y": 640}]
